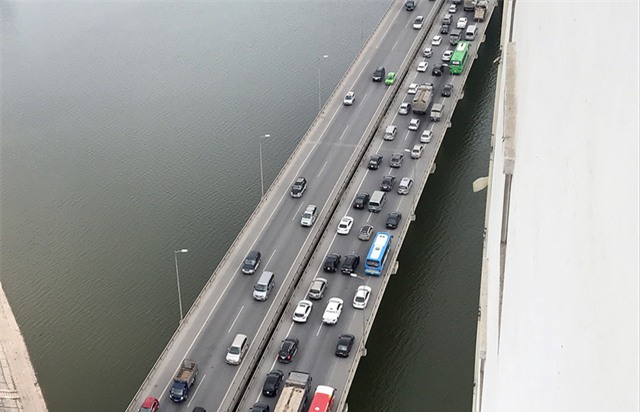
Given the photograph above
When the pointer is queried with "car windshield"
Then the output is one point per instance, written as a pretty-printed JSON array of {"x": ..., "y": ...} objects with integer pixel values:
[
  {"x": 261, "y": 288},
  {"x": 249, "y": 262},
  {"x": 234, "y": 350},
  {"x": 176, "y": 391},
  {"x": 307, "y": 215},
  {"x": 342, "y": 347},
  {"x": 359, "y": 299}
]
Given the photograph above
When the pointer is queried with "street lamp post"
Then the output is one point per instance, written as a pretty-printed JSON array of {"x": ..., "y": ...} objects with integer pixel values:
[
  {"x": 175, "y": 257},
  {"x": 324, "y": 56},
  {"x": 266, "y": 136}
]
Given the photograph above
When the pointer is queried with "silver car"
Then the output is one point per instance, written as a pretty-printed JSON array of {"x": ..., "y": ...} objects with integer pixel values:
[{"x": 365, "y": 232}]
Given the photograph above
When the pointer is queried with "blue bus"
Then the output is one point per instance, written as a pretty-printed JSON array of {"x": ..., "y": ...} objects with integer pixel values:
[{"x": 374, "y": 265}]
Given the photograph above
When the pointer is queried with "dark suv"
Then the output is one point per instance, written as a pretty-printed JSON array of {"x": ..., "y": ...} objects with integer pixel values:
[
  {"x": 251, "y": 262},
  {"x": 272, "y": 383},
  {"x": 350, "y": 264},
  {"x": 298, "y": 187},
  {"x": 345, "y": 342},
  {"x": 387, "y": 183},
  {"x": 331, "y": 262},
  {"x": 438, "y": 69},
  {"x": 447, "y": 90},
  {"x": 375, "y": 161},
  {"x": 288, "y": 349},
  {"x": 361, "y": 200},
  {"x": 379, "y": 74},
  {"x": 393, "y": 220}
]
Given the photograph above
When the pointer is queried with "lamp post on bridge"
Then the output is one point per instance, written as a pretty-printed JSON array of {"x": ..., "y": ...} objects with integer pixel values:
[
  {"x": 324, "y": 56},
  {"x": 175, "y": 257},
  {"x": 266, "y": 136}
]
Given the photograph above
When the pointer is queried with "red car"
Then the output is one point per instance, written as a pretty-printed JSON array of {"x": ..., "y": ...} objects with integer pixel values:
[{"x": 150, "y": 404}]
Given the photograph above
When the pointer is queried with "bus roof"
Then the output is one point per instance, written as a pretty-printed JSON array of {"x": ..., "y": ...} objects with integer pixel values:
[
  {"x": 462, "y": 46},
  {"x": 379, "y": 243}
]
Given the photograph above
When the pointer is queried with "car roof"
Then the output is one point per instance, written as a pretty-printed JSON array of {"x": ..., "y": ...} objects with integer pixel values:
[{"x": 149, "y": 402}]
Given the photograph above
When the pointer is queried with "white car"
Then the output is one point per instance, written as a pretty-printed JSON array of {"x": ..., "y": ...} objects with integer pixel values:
[
  {"x": 446, "y": 56},
  {"x": 437, "y": 40},
  {"x": 453, "y": 8},
  {"x": 417, "y": 24},
  {"x": 301, "y": 314},
  {"x": 361, "y": 298},
  {"x": 349, "y": 98},
  {"x": 333, "y": 311},
  {"x": 404, "y": 108},
  {"x": 344, "y": 227},
  {"x": 462, "y": 23},
  {"x": 413, "y": 88},
  {"x": 416, "y": 152},
  {"x": 426, "y": 136},
  {"x": 427, "y": 52},
  {"x": 414, "y": 124},
  {"x": 422, "y": 66}
]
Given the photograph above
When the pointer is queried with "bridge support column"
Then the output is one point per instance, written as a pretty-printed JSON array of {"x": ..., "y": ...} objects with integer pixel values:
[
  {"x": 394, "y": 268},
  {"x": 433, "y": 169}
]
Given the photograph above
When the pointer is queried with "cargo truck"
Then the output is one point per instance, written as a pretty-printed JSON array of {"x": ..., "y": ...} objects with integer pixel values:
[
  {"x": 295, "y": 393},
  {"x": 183, "y": 381},
  {"x": 480, "y": 10},
  {"x": 422, "y": 99},
  {"x": 436, "y": 112}
]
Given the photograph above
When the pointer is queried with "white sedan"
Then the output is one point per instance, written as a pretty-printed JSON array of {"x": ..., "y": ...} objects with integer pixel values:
[
  {"x": 414, "y": 124},
  {"x": 426, "y": 136},
  {"x": 333, "y": 311},
  {"x": 422, "y": 66},
  {"x": 301, "y": 314},
  {"x": 437, "y": 40},
  {"x": 413, "y": 88},
  {"x": 344, "y": 227},
  {"x": 446, "y": 56},
  {"x": 362, "y": 296},
  {"x": 462, "y": 23},
  {"x": 349, "y": 98}
]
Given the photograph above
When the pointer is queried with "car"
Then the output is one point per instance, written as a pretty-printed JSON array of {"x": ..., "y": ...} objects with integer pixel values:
[
  {"x": 345, "y": 343},
  {"x": 331, "y": 262},
  {"x": 437, "y": 69},
  {"x": 436, "y": 41},
  {"x": 393, "y": 220},
  {"x": 422, "y": 66},
  {"x": 378, "y": 75},
  {"x": 447, "y": 90},
  {"x": 344, "y": 227},
  {"x": 350, "y": 263},
  {"x": 260, "y": 407},
  {"x": 150, "y": 404},
  {"x": 302, "y": 311},
  {"x": 446, "y": 56},
  {"x": 391, "y": 78},
  {"x": 298, "y": 187},
  {"x": 365, "y": 232},
  {"x": 271, "y": 385},
  {"x": 409, "y": 5},
  {"x": 462, "y": 23},
  {"x": 427, "y": 52},
  {"x": 426, "y": 135},
  {"x": 418, "y": 22},
  {"x": 361, "y": 297},
  {"x": 375, "y": 161},
  {"x": 428, "y": 85},
  {"x": 309, "y": 216},
  {"x": 416, "y": 152},
  {"x": 405, "y": 108},
  {"x": 288, "y": 349},
  {"x": 404, "y": 187},
  {"x": 396, "y": 160},
  {"x": 349, "y": 98},
  {"x": 361, "y": 200},
  {"x": 447, "y": 18},
  {"x": 332, "y": 311},
  {"x": 413, "y": 88},
  {"x": 251, "y": 262},
  {"x": 453, "y": 8},
  {"x": 444, "y": 29},
  {"x": 387, "y": 183},
  {"x": 317, "y": 288},
  {"x": 414, "y": 124},
  {"x": 200, "y": 409}
]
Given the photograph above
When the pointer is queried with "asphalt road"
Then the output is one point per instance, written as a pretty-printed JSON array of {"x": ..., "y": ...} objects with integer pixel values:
[
  {"x": 317, "y": 340},
  {"x": 226, "y": 306}
]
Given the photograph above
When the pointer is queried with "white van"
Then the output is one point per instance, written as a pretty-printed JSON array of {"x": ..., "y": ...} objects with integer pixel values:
[
  {"x": 264, "y": 285},
  {"x": 390, "y": 132},
  {"x": 470, "y": 34},
  {"x": 236, "y": 351},
  {"x": 377, "y": 201},
  {"x": 309, "y": 216}
]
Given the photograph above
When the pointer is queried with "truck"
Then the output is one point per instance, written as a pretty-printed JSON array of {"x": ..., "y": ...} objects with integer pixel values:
[
  {"x": 454, "y": 36},
  {"x": 295, "y": 393},
  {"x": 480, "y": 10},
  {"x": 183, "y": 381},
  {"x": 436, "y": 112},
  {"x": 422, "y": 99}
]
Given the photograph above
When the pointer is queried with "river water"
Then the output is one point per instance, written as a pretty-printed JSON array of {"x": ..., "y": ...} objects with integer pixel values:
[{"x": 130, "y": 129}]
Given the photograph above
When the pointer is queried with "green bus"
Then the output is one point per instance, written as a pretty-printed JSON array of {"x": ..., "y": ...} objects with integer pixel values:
[{"x": 459, "y": 58}]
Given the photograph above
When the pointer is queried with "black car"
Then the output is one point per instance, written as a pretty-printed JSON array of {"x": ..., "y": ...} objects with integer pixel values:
[
  {"x": 288, "y": 349},
  {"x": 331, "y": 262},
  {"x": 345, "y": 342},
  {"x": 379, "y": 74},
  {"x": 393, "y": 220},
  {"x": 199, "y": 409},
  {"x": 251, "y": 262},
  {"x": 387, "y": 183},
  {"x": 438, "y": 69},
  {"x": 447, "y": 90},
  {"x": 444, "y": 29},
  {"x": 375, "y": 161},
  {"x": 298, "y": 187},
  {"x": 260, "y": 407},
  {"x": 396, "y": 160},
  {"x": 361, "y": 200},
  {"x": 272, "y": 383},
  {"x": 350, "y": 264}
]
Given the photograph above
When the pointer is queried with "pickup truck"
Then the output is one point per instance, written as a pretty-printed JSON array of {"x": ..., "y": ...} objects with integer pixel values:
[{"x": 183, "y": 381}]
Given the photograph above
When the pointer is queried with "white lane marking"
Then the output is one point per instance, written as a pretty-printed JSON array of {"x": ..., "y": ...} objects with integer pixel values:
[
  {"x": 320, "y": 328},
  {"x": 297, "y": 214},
  {"x": 236, "y": 319},
  {"x": 364, "y": 97},
  {"x": 193, "y": 395},
  {"x": 386, "y": 31},
  {"x": 407, "y": 135},
  {"x": 345, "y": 131},
  {"x": 394, "y": 46},
  {"x": 369, "y": 217},
  {"x": 322, "y": 168},
  {"x": 270, "y": 257}
]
